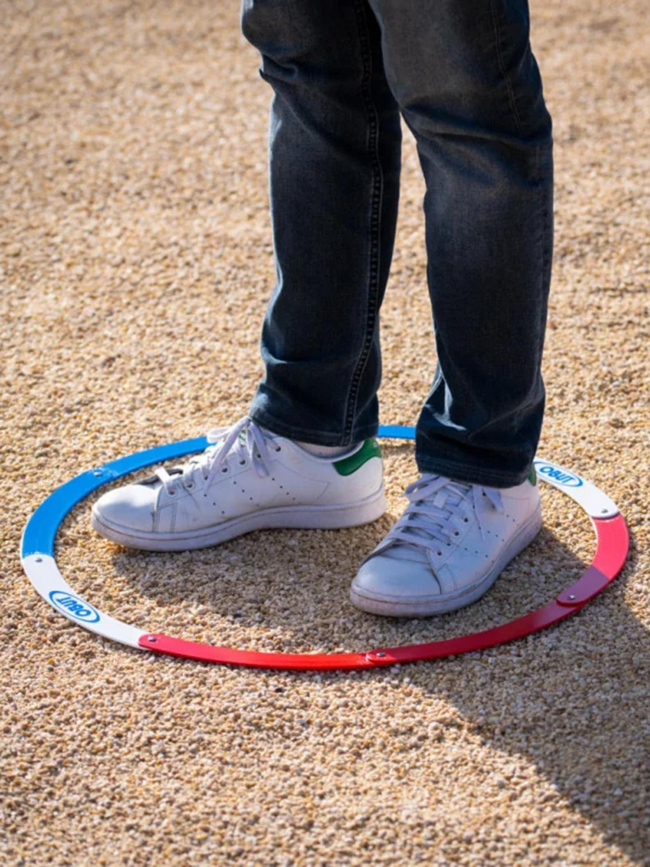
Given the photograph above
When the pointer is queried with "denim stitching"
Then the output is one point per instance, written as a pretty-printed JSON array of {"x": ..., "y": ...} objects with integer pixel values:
[
  {"x": 375, "y": 210},
  {"x": 545, "y": 235},
  {"x": 497, "y": 45}
]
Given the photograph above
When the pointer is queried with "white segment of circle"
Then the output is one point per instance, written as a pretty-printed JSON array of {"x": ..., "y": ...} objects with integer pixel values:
[
  {"x": 46, "y": 578},
  {"x": 585, "y": 493}
]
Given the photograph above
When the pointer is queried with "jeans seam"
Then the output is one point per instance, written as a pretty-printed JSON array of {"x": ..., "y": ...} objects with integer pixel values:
[
  {"x": 502, "y": 68},
  {"x": 375, "y": 211},
  {"x": 543, "y": 236}
]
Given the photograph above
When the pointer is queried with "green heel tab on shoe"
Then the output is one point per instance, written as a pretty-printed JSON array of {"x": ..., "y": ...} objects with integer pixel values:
[
  {"x": 369, "y": 449},
  {"x": 532, "y": 478}
]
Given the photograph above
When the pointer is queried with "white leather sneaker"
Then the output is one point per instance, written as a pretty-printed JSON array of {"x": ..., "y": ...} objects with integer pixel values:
[
  {"x": 249, "y": 479},
  {"x": 448, "y": 547}
]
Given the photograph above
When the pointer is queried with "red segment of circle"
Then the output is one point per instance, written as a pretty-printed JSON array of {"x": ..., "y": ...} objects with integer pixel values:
[{"x": 612, "y": 546}]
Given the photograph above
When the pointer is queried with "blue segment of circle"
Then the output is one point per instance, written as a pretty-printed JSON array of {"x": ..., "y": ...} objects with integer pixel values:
[
  {"x": 40, "y": 532},
  {"x": 41, "y": 529},
  {"x": 396, "y": 431}
]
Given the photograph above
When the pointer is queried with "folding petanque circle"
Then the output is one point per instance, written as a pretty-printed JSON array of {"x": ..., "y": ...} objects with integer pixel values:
[{"x": 37, "y": 555}]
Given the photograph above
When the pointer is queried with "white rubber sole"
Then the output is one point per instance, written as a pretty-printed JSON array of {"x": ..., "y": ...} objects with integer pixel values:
[
  {"x": 426, "y": 606},
  {"x": 305, "y": 517}
]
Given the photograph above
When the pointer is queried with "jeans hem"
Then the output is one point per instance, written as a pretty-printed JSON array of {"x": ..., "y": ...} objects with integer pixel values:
[
  {"x": 313, "y": 437},
  {"x": 471, "y": 475}
]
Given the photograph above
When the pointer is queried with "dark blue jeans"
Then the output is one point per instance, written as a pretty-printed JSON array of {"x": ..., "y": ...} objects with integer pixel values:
[{"x": 463, "y": 77}]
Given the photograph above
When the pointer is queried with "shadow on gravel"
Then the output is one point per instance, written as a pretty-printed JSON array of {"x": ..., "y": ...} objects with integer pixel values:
[
  {"x": 572, "y": 699},
  {"x": 581, "y": 715}
]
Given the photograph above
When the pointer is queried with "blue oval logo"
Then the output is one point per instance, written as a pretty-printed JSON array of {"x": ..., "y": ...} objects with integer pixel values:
[
  {"x": 73, "y": 606},
  {"x": 561, "y": 477}
]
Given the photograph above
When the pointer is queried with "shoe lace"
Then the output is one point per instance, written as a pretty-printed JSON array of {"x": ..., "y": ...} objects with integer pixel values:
[
  {"x": 435, "y": 513},
  {"x": 244, "y": 438}
]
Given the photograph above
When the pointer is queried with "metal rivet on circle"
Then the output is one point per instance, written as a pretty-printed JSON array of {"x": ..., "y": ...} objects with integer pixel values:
[
  {"x": 572, "y": 596},
  {"x": 152, "y": 638},
  {"x": 97, "y": 472},
  {"x": 380, "y": 653},
  {"x": 39, "y": 559}
]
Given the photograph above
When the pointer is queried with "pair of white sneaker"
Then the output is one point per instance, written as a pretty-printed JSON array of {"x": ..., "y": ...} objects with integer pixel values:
[{"x": 448, "y": 547}]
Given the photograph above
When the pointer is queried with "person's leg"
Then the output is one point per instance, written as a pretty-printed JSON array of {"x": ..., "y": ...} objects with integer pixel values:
[
  {"x": 469, "y": 89},
  {"x": 468, "y": 86},
  {"x": 334, "y": 153}
]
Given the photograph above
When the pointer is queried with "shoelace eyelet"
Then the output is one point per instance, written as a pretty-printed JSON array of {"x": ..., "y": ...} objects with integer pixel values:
[
  {"x": 466, "y": 520},
  {"x": 242, "y": 463},
  {"x": 171, "y": 491},
  {"x": 279, "y": 449},
  {"x": 189, "y": 485},
  {"x": 224, "y": 469}
]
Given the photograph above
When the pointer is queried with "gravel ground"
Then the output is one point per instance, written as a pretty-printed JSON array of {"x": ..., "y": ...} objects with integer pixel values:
[{"x": 136, "y": 264}]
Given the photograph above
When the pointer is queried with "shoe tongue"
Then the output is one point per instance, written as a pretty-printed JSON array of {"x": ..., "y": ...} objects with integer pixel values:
[
  {"x": 404, "y": 551},
  {"x": 154, "y": 480}
]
